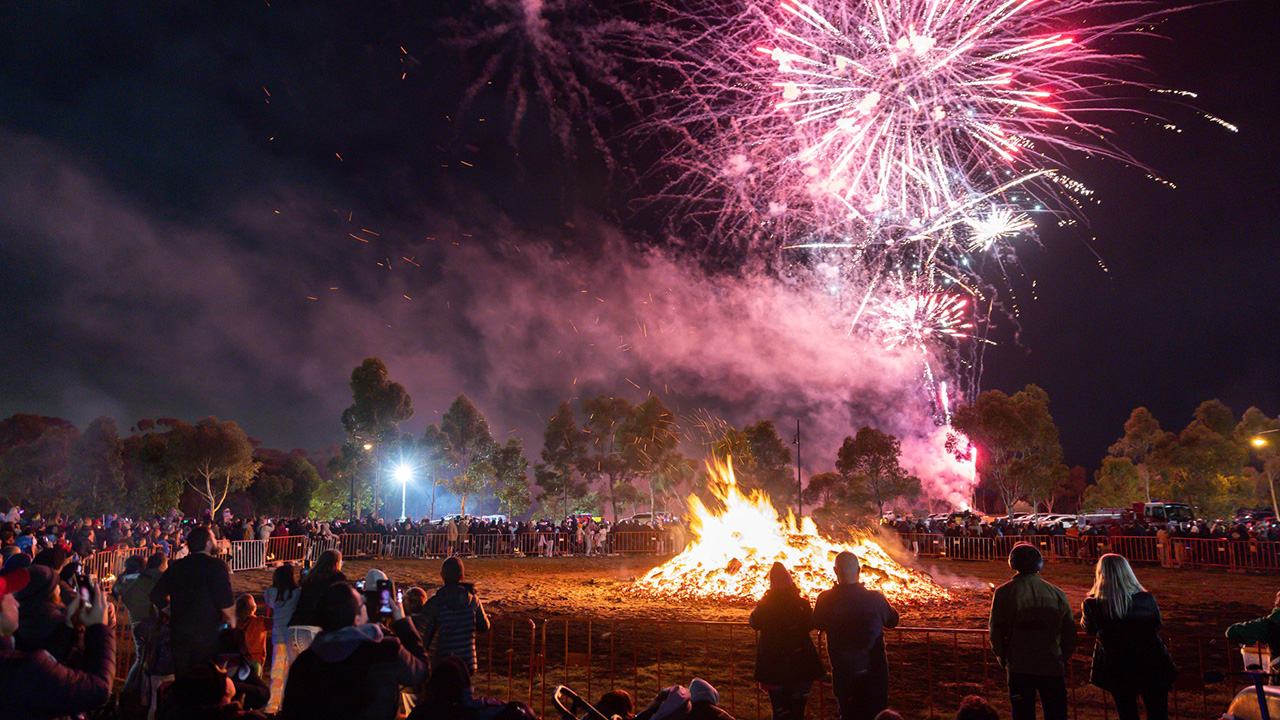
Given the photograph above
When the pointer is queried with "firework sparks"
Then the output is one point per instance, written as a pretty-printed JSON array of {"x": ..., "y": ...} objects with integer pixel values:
[{"x": 917, "y": 319}]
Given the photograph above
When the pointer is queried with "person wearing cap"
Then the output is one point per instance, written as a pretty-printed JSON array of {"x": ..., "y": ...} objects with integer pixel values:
[
  {"x": 453, "y": 616},
  {"x": 1032, "y": 635},
  {"x": 34, "y": 686},
  {"x": 854, "y": 618}
]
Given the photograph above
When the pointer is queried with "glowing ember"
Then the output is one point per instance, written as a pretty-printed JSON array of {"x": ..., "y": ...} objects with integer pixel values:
[{"x": 733, "y": 551}]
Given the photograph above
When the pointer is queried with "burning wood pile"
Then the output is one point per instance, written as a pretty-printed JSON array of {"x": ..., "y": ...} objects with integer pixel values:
[{"x": 732, "y": 551}]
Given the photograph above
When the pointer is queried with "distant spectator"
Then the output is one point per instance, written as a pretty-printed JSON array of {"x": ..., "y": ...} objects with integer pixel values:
[
  {"x": 787, "y": 662},
  {"x": 282, "y": 598},
  {"x": 1129, "y": 658},
  {"x": 305, "y": 622},
  {"x": 854, "y": 619},
  {"x": 199, "y": 588},
  {"x": 352, "y": 671},
  {"x": 616, "y": 703},
  {"x": 704, "y": 702},
  {"x": 34, "y": 686},
  {"x": 973, "y": 707},
  {"x": 1032, "y": 635},
  {"x": 448, "y": 695},
  {"x": 453, "y": 616}
]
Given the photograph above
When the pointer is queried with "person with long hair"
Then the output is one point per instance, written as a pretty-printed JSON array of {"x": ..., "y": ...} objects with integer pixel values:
[
  {"x": 787, "y": 662},
  {"x": 282, "y": 597},
  {"x": 305, "y": 623},
  {"x": 1129, "y": 657}
]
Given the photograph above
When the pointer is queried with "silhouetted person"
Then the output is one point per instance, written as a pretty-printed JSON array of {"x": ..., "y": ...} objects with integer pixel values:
[
  {"x": 197, "y": 590},
  {"x": 854, "y": 619},
  {"x": 1129, "y": 657},
  {"x": 787, "y": 663},
  {"x": 453, "y": 616},
  {"x": 1033, "y": 635}
]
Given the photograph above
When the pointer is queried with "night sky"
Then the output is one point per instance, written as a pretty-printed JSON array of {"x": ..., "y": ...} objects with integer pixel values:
[{"x": 220, "y": 208}]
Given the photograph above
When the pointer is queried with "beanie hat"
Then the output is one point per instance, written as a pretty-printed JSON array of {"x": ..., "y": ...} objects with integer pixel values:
[
  {"x": 15, "y": 561},
  {"x": 701, "y": 691},
  {"x": 1025, "y": 558},
  {"x": 371, "y": 579},
  {"x": 41, "y": 581}
]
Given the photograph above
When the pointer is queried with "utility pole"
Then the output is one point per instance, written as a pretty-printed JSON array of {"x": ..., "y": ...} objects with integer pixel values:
[{"x": 799, "y": 485}]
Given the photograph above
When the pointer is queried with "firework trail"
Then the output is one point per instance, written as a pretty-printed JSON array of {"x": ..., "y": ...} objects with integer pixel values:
[{"x": 557, "y": 59}]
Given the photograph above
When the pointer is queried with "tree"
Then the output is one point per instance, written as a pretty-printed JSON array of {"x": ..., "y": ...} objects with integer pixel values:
[
  {"x": 36, "y": 473},
  {"x": 151, "y": 484},
  {"x": 671, "y": 471},
  {"x": 97, "y": 469},
  {"x": 649, "y": 439},
  {"x": 1016, "y": 441},
  {"x": 839, "y": 500},
  {"x": 872, "y": 458},
  {"x": 604, "y": 462},
  {"x": 378, "y": 407},
  {"x": 1260, "y": 434},
  {"x": 470, "y": 438},
  {"x": 438, "y": 460},
  {"x": 213, "y": 457},
  {"x": 1068, "y": 493},
  {"x": 771, "y": 469},
  {"x": 562, "y": 446},
  {"x": 1142, "y": 435},
  {"x": 1117, "y": 484},
  {"x": 511, "y": 471},
  {"x": 1202, "y": 466}
]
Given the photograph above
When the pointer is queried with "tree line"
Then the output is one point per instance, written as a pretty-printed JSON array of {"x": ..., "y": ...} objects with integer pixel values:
[{"x": 1218, "y": 463}]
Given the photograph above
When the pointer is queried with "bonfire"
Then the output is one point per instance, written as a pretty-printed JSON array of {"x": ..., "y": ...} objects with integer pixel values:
[{"x": 733, "y": 549}]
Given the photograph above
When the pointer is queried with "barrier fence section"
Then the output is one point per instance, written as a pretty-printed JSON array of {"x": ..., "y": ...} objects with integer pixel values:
[
  {"x": 1169, "y": 552},
  {"x": 931, "y": 669}
]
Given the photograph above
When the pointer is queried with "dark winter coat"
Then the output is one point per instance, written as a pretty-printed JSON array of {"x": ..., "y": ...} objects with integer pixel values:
[
  {"x": 1032, "y": 630},
  {"x": 785, "y": 654},
  {"x": 33, "y": 686},
  {"x": 355, "y": 673},
  {"x": 452, "y": 617},
  {"x": 309, "y": 599},
  {"x": 854, "y": 619},
  {"x": 1129, "y": 653}
]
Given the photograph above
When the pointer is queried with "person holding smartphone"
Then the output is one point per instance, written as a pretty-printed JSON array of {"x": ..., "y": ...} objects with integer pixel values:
[{"x": 33, "y": 684}]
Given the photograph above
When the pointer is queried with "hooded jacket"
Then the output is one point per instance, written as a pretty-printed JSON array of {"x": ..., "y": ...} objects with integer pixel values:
[
  {"x": 1032, "y": 630},
  {"x": 355, "y": 673},
  {"x": 785, "y": 654},
  {"x": 451, "y": 619}
]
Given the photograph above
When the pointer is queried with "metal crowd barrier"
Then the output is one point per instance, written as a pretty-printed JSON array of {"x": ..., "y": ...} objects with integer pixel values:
[{"x": 1169, "y": 552}]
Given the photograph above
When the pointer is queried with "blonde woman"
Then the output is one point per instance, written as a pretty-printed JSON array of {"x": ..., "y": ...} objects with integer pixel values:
[{"x": 1129, "y": 657}]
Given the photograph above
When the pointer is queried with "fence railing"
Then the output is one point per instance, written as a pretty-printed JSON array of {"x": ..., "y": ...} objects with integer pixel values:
[
  {"x": 931, "y": 669},
  {"x": 1170, "y": 552}
]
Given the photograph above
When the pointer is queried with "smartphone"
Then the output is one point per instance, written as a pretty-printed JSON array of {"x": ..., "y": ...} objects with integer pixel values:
[
  {"x": 360, "y": 585},
  {"x": 85, "y": 588},
  {"x": 400, "y": 596},
  {"x": 384, "y": 595}
]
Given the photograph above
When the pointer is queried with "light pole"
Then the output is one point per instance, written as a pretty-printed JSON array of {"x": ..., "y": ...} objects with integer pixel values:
[
  {"x": 404, "y": 473},
  {"x": 352, "y": 513},
  {"x": 1260, "y": 442}
]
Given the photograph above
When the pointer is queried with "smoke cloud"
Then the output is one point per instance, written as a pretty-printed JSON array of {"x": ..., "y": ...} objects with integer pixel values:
[{"x": 260, "y": 315}]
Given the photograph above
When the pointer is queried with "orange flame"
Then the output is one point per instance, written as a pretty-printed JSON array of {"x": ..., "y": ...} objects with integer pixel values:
[{"x": 733, "y": 550}]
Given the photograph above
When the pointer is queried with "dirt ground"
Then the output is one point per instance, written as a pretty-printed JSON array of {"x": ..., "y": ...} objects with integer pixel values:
[
  {"x": 1194, "y": 602},
  {"x": 597, "y": 635}
]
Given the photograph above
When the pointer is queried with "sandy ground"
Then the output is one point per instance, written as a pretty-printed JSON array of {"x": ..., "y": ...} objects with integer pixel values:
[{"x": 1194, "y": 602}]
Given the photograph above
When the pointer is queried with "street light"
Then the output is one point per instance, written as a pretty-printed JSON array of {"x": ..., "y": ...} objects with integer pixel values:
[
  {"x": 1259, "y": 442},
  {"x": 404, "y": 474}
]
